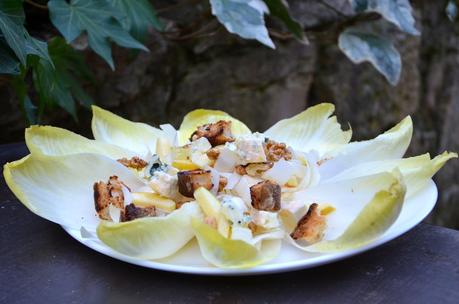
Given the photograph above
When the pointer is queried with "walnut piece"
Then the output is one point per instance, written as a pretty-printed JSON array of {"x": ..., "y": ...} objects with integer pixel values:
[
  {"x": 266, "y": 195},
  {"x": 134, "y": 163},
  {"x": 217, "y": 133},
  {"x": 253, "y": 169},
  {"x": 275, "y": 151},
  {"x": 311, "y": 226}
]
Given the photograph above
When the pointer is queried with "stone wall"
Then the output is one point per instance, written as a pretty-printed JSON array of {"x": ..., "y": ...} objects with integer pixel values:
[{"x": 260, "y": 86}]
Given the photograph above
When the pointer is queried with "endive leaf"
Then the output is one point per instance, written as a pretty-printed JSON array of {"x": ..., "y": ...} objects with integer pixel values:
[
  {"x": 392, "y": 144},
  {"x": 200, "y": 117},
  {"x": 227, "y": 253},
  {"x": 60, "y": 188},
  {"x": 113, "y": 129},
  {"x": 312, "y": 129},
  {"x": 375, "y": 218},
  {"x": 151, "y": 237},
  {"x": 367, "y": 195},
  {"x": 49, "y": 140},
  {"x": 416, "y": 171}
]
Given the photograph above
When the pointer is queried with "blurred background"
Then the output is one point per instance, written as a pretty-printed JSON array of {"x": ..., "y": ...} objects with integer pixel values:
[{"x": 197, "y": 63}]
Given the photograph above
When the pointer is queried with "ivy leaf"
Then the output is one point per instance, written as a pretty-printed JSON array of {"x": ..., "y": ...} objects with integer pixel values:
[
  {"x": 13, "y": 32},
  {"x": 9, "y": 64},
  {"x": 37, "y": 47},
  {"x": 279, "y": 9},
  {"x": 14, "y": 35},
  {"x": 71, "y": 68},
  {"x": 398, "y": 12},
  {"x": 244, "y": 18},
  {"x": 28, "y": 108},
  {"x": 64, "y": 56},
  {"x": 51, "y": 89},
  {"x": 14, "y": 10},
  {"x": 451, "y": 10},
  {"x": 97, "y": 19},
  {"x": 360, "y": 47},
  {"x": 137, "y": 17}
]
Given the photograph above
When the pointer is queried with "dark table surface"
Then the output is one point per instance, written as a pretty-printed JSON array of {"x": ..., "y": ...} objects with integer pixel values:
[{"x": 41, "y": 263}]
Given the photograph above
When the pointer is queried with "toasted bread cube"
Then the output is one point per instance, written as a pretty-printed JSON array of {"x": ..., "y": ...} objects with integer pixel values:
[
  {"x": 132, "y": 212},
  {"x": 189, "y": 181},
  {"x": 106, "y": 194},
  {"x": 266, "y": 195},
  {"x": 310, "y": 227}
]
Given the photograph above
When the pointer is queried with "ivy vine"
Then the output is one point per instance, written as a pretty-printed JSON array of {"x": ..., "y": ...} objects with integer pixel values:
[{"x": 55, "y": 69}]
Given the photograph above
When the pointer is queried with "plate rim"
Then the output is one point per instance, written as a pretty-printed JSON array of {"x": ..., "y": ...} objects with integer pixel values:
[{"x": 267, "y": 268}]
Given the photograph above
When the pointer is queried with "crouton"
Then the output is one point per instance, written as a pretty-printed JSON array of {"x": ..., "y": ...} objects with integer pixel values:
[
  {"x": 310, "y": 227},
  {"x": 106, "y": 194},
  {"x": 132, "y": 212},
  {"x": 189, "y": 181},
  {"x": 266, "y": 195}
]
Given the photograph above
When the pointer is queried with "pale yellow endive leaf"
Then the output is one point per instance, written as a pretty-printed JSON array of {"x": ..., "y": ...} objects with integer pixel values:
[
  {"x": 377, "y": 216},
  {"x": 200, "y": 117},
  {"x": 416, "y": 171},
  {"x": 49, "y": 140},
  {"x": 392, "y": 144},
  {"x": 227, "y": 253},
  {"x": 135, "y": 136},
  {"x": 369, "y": 204},
  {"x": 312, "y": 129},
  {"x": 151, "y": 237},
  {"x": 60, "y": 188}
]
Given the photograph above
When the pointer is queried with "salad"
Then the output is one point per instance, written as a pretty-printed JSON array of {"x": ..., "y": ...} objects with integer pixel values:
[{"x": 146, "y": 192}]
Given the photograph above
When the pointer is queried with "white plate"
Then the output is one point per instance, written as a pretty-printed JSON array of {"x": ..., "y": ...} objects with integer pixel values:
[{"x": 189, "y": 259}]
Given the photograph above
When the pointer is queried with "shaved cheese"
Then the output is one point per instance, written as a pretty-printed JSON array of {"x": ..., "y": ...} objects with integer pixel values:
[
  {"x": 283, "y": 170},
  {"x": 227, "y": 160},
  {"x": 242, "y": 188}
]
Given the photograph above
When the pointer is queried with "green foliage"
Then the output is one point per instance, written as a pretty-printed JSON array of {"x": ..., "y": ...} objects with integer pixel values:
[
  {"x": 396, "y": 11},
  {"x": 98, "y": 18},
  {"x": 52, "y": 72},
  {"x": 27, "y": 107},
  {"x": 451, "y": 10},
  {"x": 361, "y": 46},
  {"x": 8, "y": 61},
  {"x": 137, "y": 16},
  {"x": 59, "y": 85},
  {"x": 244, "y": 18},
  {"x": 279, "y": 9},
  {"x": 54, "y": 66}
]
